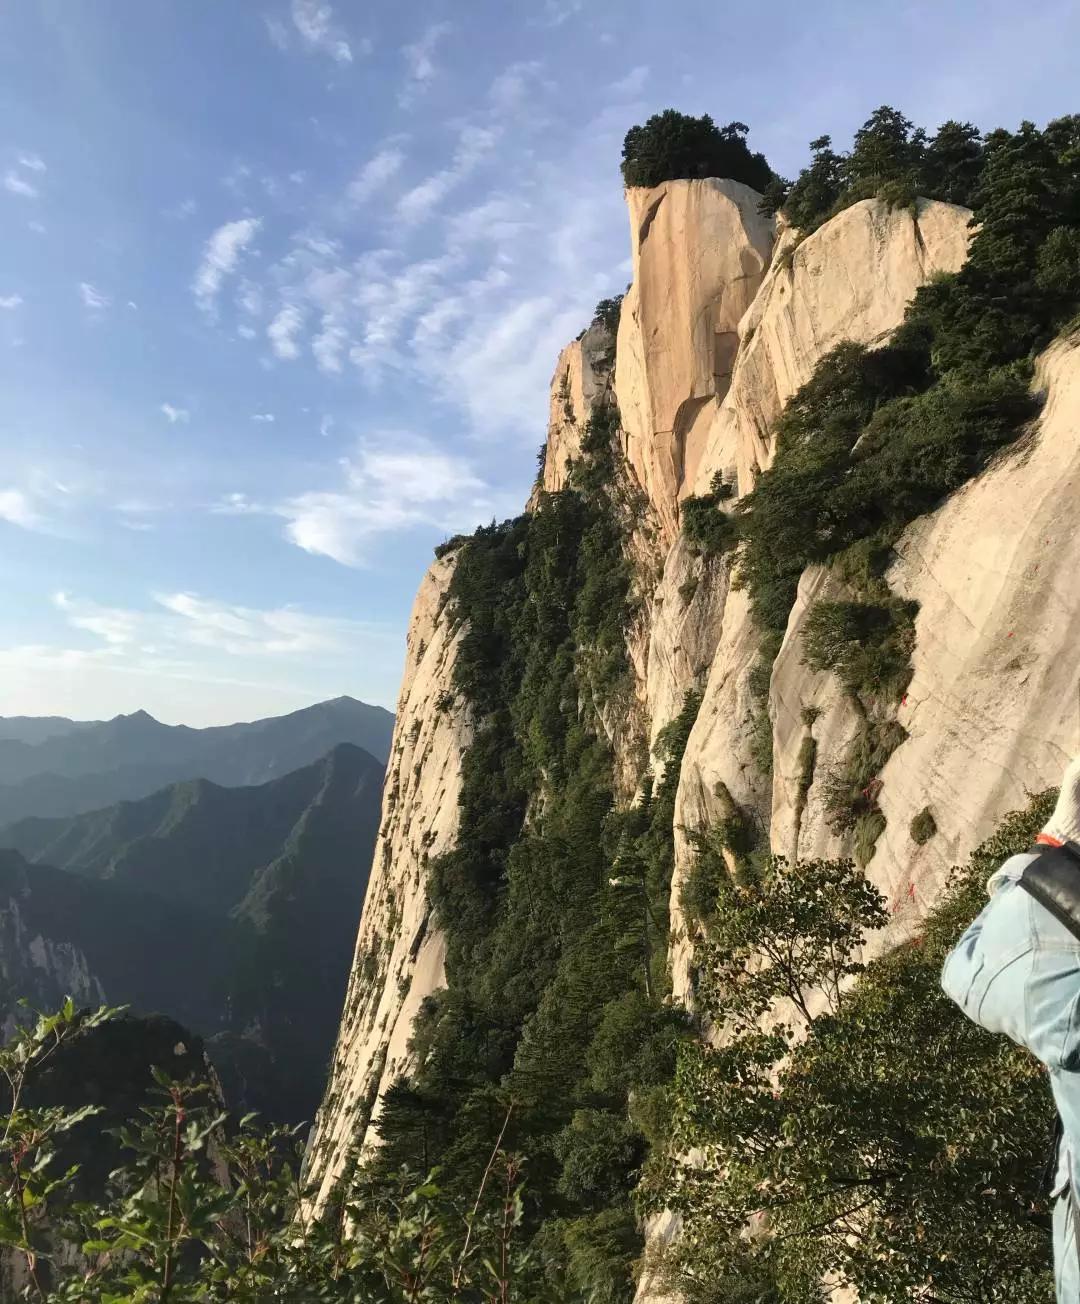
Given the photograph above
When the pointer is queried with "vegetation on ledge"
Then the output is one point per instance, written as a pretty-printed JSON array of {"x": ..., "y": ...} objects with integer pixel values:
[{"x": 674, "y": 146}]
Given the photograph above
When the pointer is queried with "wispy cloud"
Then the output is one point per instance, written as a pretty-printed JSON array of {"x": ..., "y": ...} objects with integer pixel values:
[
  {"x": 111, "y": 624},
  {"x": 392, "y": 484},
  {"x": 474, "y": 143},
  {"x": 32, "y": 162},
  {"x": 265, "y": 417},
  {"x": 9, "y": 301},
  {"x": 284, "y": 329},
  {"x": 374, "y": 175},
  {"x": 277, "y": 31},
  {"x": 513, "y": 84},
  {"x": 179, "y": 622},
  {"x": 314, "y": 21},
  {"x": 17, "y": 184},
  {"x": 175, "y": 414},
  {"x": 93, "y": 298},
  {"x": 420, "y": 63},
  {"x": 221, "y": 256}
]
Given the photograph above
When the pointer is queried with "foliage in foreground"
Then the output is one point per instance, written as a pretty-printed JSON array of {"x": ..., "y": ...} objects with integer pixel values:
[
  {"x": 199, "y": 1209},
  {"x": 867, "y": 1134}
]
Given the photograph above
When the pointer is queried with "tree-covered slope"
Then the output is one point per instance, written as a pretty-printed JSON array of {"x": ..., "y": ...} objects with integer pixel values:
[
  {"x": 131, "y": 756},
  {"x": 232, "y": 909}
]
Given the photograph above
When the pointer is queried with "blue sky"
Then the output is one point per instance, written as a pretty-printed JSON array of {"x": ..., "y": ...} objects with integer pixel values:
[{"x": 282, "y": 286}]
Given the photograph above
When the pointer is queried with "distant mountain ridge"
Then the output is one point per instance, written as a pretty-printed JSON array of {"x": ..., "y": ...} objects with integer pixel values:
[
  {"x": 233, "y": 910},
  {"x": 76, "y": 766}
]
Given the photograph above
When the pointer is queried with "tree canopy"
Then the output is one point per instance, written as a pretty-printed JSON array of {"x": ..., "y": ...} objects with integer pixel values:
[{"x": 673, "y": 146}]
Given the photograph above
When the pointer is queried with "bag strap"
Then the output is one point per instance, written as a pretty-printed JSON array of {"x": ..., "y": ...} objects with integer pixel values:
[{"x": 1053, "y": 879}]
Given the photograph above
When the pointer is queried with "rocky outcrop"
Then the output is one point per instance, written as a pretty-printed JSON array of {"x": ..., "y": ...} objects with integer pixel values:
[
  {"x": 399, "y": 952},
  {"x": 699, "y": 250},
  {"x": 992, "y": 712},
  {"x": 582, "y": 378},
  {"x": 850, "y": 280}
]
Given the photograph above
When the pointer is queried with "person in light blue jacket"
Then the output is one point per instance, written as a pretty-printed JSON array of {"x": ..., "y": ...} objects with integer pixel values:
[{"x": 1016, "y": 970}]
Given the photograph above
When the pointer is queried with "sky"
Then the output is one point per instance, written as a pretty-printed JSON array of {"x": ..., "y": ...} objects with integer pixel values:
[{"x": 283, "y": 283}]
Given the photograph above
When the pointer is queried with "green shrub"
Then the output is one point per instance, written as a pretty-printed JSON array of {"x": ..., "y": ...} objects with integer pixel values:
[
  {"x": 891, "y": 1113},
  {"x": 807, "y": 765},
  {"x": 923, "y": 826},
  {"x": 672, "y": 146},
  {"x": 867, "y": 645},
  {"x": 607, "y": 313},
  {"x": 709, "y": 530}
]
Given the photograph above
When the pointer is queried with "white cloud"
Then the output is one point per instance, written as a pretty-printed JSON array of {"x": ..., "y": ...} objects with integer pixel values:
[
  {"x": 632, "y": 84},
  {"x": 420, "y": 62},
  {"x": 283, "y": 330},
  {"x": 265, "y": 417},
  {"x": 326, "y": 425},
  {"x": 175, "y": 414},
  {"x": 112, "y": 625},
  {"x": 392, "y": 484},
  {"x": 246, "y": 332},
  {"x": 374, "y": 175},
  {"x": 328, "y": 348},
  {"x": 18, "y": 185},
  {"x": 32, "y": 162},
  {"x": 474, "y": 143},
  {"x": 9, "y": 301},
  {"x": 220, "y": 257},
  {"x": 17, "y": 509},
  {"x": 93, "y": 298},
  {"x": 314, "y": 20},
  {"x": 37, "y": 227}
]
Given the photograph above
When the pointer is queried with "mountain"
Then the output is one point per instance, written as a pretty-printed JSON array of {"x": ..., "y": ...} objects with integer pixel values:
[
  {"x": 231, "y": 909},
  {"x": 36, "y": 728},
  {"x": 91, "y": 765},
  {"x": 793, "y": 588}
]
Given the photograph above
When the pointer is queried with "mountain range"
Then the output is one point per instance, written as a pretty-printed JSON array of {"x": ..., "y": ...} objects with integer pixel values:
[
  {"x": 230, "y": 909},
  {"x": 53, "y": 766}
]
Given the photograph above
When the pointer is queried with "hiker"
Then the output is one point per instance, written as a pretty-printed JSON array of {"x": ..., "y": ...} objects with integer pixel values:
[{"x": 1017, "y": 970}]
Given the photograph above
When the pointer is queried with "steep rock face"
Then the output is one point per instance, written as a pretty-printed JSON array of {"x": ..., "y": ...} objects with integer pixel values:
[
  {"x": 399, "y": 954},
  {"x": 992, "y": 712},
  {"x": 699, "y": 251},
  {"x": 849, "y": 280},
  {"x": 582, "y": 377},
  {"x": 852, "y": 279}
]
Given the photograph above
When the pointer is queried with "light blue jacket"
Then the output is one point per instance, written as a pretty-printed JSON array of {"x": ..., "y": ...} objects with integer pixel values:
[{"x": 1016, "y": 970}]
